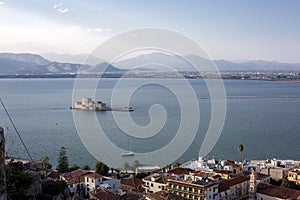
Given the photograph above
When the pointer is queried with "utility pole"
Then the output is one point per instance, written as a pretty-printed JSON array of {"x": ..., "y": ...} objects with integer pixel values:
[{"x": 3, "y": 195}]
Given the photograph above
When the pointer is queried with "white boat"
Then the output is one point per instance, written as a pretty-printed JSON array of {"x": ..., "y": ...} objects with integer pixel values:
[{"x": 127, "y": 153}]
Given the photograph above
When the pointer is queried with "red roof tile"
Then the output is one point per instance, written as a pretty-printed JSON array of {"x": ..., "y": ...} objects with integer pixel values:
[
  {"x": 53, "y": 174},
  {"x": 279, "y": 192},
  {"x": 232, "y": 163},
  {"x": 92, "y": 175},
  {"x": 222, "y": 171},
  {"x": 134, "y": 182},
  {"x": 104, "y": 195},
  {"x": 76, "y": 176},
  {"x": 233, "y": 181},
  {"x": 179, "y": 171}
]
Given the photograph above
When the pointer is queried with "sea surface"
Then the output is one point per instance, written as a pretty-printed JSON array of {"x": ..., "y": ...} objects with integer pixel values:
[{"x": 262, "y": 115}]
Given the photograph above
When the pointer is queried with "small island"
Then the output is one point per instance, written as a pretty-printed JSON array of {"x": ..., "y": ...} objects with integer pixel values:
[{"x": 88, "y": 104}]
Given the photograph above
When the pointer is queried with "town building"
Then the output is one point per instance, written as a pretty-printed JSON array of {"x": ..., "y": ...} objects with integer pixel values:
[
  {"x": 155, "y": 183},
  {"x": 131, "y": 184},
  {"x": 234, "y": 188},
  {"x": 200, "y": 189},
  {"x": 82, "y": 182},
  {"x": 265, "y": 191},
  {"x": 294, "y": 176}
]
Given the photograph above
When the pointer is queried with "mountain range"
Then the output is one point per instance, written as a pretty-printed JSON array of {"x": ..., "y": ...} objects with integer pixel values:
[{"x": 26, "y": 63}]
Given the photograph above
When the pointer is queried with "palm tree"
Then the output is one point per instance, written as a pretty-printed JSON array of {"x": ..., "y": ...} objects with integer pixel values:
[
  {"x": 241, "y": 149},
  {"x": 126, "y": 166}
]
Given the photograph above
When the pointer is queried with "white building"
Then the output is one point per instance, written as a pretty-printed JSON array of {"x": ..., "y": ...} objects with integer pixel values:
[
  {"x": 83, "y": 181},
  {"x": 155, "y": 183},
  {"x": 200, "y": 164}
]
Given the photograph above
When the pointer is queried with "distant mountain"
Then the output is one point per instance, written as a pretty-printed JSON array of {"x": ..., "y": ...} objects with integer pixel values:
[
  {"x": 11, "y": 64},
  {"x": 154, "y": 61},
  {"x": 25, "y": 63},
  {"x": 68, "y": 58}
]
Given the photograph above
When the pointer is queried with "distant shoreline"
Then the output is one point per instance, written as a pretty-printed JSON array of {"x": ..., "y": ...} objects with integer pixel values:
[
  {"x": 225, "y": 76},
  {"x": 290, "y": 81}
]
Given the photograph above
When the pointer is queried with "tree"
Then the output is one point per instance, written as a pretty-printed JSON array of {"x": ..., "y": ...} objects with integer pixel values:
[
  {"x": 18, "y": 181},
  {"x": 45, "y": 160},
  {"x": 74, "y": 167},
  {"x": 63, "y": 163},
  {"x": 241, "y": 149},
  {"x": 288, "y": 184},
  {"x": 101, "y": 168},
  {"x": 126, "y": 166},
  {"x": 54, "y": 188},
  {"x": 177, "y": 164},
  {"x": 86, "y": 167},
  {"x": 168, "y": 166},
  {"x": 136, "y": 163}
]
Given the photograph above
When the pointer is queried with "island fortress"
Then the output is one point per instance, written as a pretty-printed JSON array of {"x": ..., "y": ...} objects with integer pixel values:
[{"x": 88, "y": 104}]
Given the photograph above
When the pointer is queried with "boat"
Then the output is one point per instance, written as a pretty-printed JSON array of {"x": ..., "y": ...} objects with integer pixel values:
[{"x": 127, "y": 153}]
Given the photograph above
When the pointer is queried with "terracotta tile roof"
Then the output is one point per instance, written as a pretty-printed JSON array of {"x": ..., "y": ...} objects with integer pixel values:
[
  {"x": 78, "y": 172},
  {"x": 159, "y": 178},
  {"x": 260, "y": 176},
  {"x": 223, "y": 171},
  {"x": 216, "y": 176},
  {"x": 225, "y": 185},
  {"x": 232, "y": 163},
  {"x": 92, "y": 175},
  {"x": 162, "y": 195},
  {"x": 104, "y": 195},
  {"x": 53, "y": 174},
  {"x": 279, "y": 192},
  {"x": 76, "y": 176},
  {"x": 134, "y": 182},
  {"x": 199, "y": 173},
  {"x": 179, "y": 171},
  {"x": 132, "y": 195}
]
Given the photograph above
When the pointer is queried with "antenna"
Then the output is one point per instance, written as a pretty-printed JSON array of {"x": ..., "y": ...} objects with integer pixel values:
[{"x": 12, "y": 122}]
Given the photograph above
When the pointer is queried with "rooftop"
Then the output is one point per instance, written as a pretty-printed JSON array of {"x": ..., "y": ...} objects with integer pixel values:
[
  {"x": 279, "y": 192},
  {"x": 102, "y": 194},
  {"x": 225, "y": 185},
  {"x": 134, "y": 181},
  {"x": 179, "y": 171}
]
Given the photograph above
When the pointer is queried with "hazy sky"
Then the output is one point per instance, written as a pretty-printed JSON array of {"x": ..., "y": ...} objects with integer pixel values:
[{"x": 232, "y": 30}]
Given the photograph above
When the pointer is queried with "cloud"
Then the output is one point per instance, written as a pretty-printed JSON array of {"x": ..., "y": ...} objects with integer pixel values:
[
  {"x": 98, "y": 29},
  {"x": 59, "y": 7},
  {"x": 62, "y": 10},
  {"x": 1, "y": 2}
]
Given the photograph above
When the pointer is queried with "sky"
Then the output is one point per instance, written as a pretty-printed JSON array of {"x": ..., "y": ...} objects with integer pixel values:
[{"x": 231, "y": 30}]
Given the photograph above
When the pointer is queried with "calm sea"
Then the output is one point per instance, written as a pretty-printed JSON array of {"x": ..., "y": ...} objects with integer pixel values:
[{"x": 267, "y": 127}]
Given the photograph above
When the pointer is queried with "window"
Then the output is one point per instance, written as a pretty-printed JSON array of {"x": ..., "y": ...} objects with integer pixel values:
[
  {"x": 87, "y": 179},
  {"x": 151, "y": 184}
]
